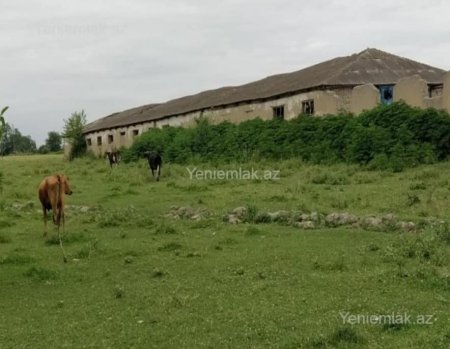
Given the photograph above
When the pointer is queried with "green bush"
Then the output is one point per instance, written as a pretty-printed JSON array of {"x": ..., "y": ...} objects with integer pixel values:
[{"x": 388, "y": 137}]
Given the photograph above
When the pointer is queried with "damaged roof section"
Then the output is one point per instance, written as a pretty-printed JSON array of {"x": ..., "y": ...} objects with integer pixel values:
[
  {"x": 124, "y": 118},
  {"x": 369, "y": 66}
]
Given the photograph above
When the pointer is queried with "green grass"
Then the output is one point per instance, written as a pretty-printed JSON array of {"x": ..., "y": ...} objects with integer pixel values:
[{"x": 137, "y": 278}]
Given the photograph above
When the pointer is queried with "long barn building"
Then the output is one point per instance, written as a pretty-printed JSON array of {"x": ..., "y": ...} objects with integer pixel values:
[{"x": 353, "y": 83}]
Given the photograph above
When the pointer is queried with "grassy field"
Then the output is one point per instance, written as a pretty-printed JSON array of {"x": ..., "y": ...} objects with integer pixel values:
[{"x": 139, "y": 278}]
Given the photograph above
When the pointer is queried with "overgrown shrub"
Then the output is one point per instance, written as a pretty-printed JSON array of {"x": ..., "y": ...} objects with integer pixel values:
[
  {"x": 73, "y": 133},
  {"x": 387, "y": 137}
]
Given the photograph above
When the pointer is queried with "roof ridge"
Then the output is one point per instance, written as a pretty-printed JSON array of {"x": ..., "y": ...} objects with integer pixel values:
[
  {"x": 339, "y": 71},
  {"x": 372, "y": 50},
  {"x": 358, "y": 56}
]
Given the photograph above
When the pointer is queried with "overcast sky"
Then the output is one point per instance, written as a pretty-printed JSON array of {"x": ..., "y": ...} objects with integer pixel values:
[{"x": 104, "y": 56}]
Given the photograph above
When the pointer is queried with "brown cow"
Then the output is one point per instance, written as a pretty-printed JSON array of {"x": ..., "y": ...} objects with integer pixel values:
[{"x": 51, "y": 194}]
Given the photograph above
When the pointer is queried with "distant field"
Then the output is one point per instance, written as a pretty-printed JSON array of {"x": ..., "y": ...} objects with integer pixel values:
[{"x": 137, "y": 277}]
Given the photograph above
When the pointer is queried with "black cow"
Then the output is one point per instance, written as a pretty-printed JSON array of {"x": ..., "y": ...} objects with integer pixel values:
[
  {"x": 113, "y": 157},
  {"x": 155, "y": 162}
]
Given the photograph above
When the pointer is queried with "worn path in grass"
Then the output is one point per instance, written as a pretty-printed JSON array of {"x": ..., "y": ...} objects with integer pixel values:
[{"x": 139, "y": 279}]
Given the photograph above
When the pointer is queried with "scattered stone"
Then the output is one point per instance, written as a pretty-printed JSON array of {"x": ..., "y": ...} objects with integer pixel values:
[
  {"x": 196, "y": 217},
  {"x": 314, "y": 220},
  {"x": 305, "y": 217},
  {"x": 193, "y": 254},
  {"x": 85, "y": 209},
  {"x": 78, "y": 209},
  {"x": 316, "y": 217},
  {"x": 280, "y": 216},
  {"x": 407, "y": 226},
  {"x": 129, "y": 259},
  {"x": 232, "y": 219},
  {"x": 296, "y": 216},
  {"x": 389, "y": 219},
  {"x": 263, "y": 217},
  {"x": 29, "y": 205},
  {"x": 187, "y": 213},
  {"x": 372, "y": 223},
  {"x": 306, "y": 225},
  {"x": 240, "y": 212},
  {"x": 336, "y": 219}
]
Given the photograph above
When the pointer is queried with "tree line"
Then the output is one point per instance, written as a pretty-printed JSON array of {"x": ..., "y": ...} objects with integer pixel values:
[{"x": 14, "y": 142}]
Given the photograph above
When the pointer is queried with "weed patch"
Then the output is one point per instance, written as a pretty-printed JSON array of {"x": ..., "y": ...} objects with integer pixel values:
[
  {"x": 252, "y": 231},
  {"x": 6, "y": 224},
  {"x": 67, "y": 238},
  {"x": 38, "y": 273},
  {"x": 171, "y": 246},
  {"x": 337, "y": 265},
  {"x": 16, "y": 259},
  {"x": 165, "y": 229},
  {"x": 4, "y": 239},
  {"x": 341, "y": 337}
]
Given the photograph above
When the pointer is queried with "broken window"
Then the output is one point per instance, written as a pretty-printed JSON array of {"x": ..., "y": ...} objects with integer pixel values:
[
  {"x": 99, "y": 140},
  {"x": 308, "y": 107},
  {"x": 435, "y": 90},
  {"x": 89, "y": 141},
  {"x": 278, "y": 112},
  {"x": 110, "y": 139},
  {"x": 386, "y": 94},
  {"x": 122, "y": 133},
  {"x": 135, "y": 132}
]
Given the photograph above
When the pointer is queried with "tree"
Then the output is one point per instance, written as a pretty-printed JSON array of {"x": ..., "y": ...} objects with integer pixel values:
[
  {"x": 43, "y": 149},
  {"x": 15, "y": 142},
  {"x": 73, "y": 133},
  {"x": 2, "y": 122},
  {"x": 53, "y": 142}
]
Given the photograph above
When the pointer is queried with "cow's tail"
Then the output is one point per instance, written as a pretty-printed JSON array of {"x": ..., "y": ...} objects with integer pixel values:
[
  {"x": 58, "y": 198},
  {"x": 59, "y": 189}
]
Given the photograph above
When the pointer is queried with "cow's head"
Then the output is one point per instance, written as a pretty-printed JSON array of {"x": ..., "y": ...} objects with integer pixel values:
[{"x": 65, "y": 182}]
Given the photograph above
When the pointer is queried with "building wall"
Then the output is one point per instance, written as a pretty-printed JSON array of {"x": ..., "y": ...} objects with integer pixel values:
[
  {"x": 67, "y": 149},
  {"x": 434, "y": 102},
  {"x": 413, "y": 90},
  {"x": 178, "y": 120},
  {"x": 364, "y": 97},
  {"x": 325, "y": 102},
  {"x": 345, "y": 99},
  {"x": 99, "y": 142},
  {"x": 446, "y": 93}
]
